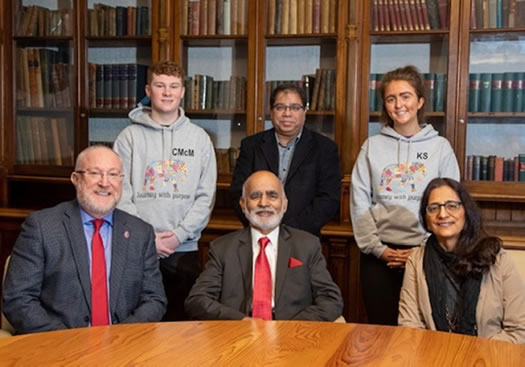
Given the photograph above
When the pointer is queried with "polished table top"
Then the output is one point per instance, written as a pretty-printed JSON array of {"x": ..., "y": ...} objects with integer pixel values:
[{"x": 255, "y": 343}]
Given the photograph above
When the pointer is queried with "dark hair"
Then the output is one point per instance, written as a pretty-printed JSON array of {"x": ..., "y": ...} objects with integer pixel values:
[
  {"x": 288, "y": 88},
  {"x": 411, "y": 75},
  {"x": 165, "y": 67},
  {"x": 476, "y": 250}
]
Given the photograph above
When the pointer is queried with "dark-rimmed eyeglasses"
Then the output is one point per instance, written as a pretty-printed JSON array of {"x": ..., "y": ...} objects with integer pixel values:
[
  {"x": 99, "y": 175},
  {"x": 450, "y": 206},
  {"x": 294, "y": 107}
]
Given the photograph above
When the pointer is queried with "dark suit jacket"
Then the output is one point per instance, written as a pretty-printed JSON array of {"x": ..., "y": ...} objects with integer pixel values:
[
  {"x": 48, "y": 285},
  {"x": 313, "y": 183},
  {"x": 305, "y": 292}
]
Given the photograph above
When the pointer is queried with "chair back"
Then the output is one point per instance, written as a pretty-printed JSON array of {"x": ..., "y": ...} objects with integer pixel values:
[{"x": 6, "y": 328}]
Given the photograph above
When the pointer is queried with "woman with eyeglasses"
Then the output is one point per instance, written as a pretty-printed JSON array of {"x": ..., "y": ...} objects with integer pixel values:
[
  {"x": 461, "y": 280},
  {"x": 388, "y": 179}
]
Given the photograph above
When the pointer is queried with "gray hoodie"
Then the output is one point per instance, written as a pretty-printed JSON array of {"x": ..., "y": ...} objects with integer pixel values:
[
  {"x": 388, "y": 180},
  {"x": 170, "y": 175}
]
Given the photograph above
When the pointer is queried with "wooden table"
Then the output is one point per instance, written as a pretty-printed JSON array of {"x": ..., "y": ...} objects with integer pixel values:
[{"x": 255, "y": 343}]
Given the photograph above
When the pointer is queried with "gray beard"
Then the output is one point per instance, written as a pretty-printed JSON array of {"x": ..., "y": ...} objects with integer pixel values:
[{"x": 264, "y": 224}]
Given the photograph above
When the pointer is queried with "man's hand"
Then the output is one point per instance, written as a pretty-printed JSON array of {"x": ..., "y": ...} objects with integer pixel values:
[{"x": 166, "y": 243}]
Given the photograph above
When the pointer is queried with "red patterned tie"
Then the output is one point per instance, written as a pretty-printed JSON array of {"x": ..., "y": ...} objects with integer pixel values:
[
  {"x": 262, "y": 285},
  {"x": 99, "y": 294}
]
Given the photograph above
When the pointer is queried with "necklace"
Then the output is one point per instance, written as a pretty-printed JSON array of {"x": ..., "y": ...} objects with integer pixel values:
[{"x": 451, "y": 320}]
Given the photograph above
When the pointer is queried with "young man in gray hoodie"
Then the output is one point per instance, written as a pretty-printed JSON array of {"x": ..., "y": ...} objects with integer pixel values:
[{"x": 170, "y": 180}]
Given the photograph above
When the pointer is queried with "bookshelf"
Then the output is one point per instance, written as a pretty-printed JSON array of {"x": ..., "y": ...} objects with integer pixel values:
[
  {"x": 478, "y": 57},
  {"x": 78, "y": 68}
]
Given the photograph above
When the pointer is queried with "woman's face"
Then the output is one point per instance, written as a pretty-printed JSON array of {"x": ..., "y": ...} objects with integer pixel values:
[
  {"x": 445, "y": 216},
  {"x": 402, "y": 104}
]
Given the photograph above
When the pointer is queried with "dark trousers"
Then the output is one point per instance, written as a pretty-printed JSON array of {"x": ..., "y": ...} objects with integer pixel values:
[
  {"x": 179, "y": 272},
  {"x": 380, "y": 286}
]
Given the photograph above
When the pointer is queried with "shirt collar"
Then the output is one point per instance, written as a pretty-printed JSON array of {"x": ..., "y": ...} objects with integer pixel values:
[
  {"x": 273, "y": 236},
  {"x": 293, "y": 141},
  {"x": 87, "y": 218}
]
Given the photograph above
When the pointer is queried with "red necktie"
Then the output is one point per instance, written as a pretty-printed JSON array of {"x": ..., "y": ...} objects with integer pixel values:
[
  {"x": 262, "y": 285},
  {"x": 99, "y": 294}
]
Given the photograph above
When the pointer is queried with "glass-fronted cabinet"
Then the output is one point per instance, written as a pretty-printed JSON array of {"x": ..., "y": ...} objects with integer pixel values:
[
  {"x": 118, "y": 46},
  {"x": 411, "y": 33},
  {"x": 44, "y": 85},
  {"x": 492, "y": 117}
]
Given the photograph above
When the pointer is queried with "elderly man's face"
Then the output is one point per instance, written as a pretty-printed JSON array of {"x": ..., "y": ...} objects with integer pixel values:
[
  {"x": 263, "y": 202},
  {"x": 98, "y": 181}
]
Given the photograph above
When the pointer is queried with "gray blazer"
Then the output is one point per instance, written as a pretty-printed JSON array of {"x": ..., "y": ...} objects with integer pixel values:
[
  {"x": 48, "y": 284},
  {"x": 305, "y": 292}
]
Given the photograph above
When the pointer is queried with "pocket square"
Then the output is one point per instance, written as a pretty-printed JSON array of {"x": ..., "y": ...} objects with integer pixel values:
[{"x": 292, "y": 262}]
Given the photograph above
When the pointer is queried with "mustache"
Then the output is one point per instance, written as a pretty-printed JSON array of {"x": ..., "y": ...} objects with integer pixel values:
[{"x": 263, "y": 210}]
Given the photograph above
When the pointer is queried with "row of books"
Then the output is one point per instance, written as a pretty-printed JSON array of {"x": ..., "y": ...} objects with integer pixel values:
[
  {"x": 226, "y": 159},
  {"x": 205, "y": 93},
  {"x": 106, "y": 20},
  {"x": 301, "y": 16},
  {"x": 497, "y": 14},
  {"x": 37, "y": 21},
  {"x": 319, "y": 89},
  {"x": 497, "y": 92},
  {"x": 493, "y": 168},
  {"x": 435, "y": 92},
  {"x": 44, "y": 141},
  {"x": 214, "y": 17},
  {"x": 116, "y": 86},
  {"x": 409, "y": 15},
  {"x": 43, "y": 78}
]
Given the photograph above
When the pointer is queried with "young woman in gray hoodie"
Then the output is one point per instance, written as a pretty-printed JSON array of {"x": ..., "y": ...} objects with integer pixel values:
[{"x": 388, "y": 179}]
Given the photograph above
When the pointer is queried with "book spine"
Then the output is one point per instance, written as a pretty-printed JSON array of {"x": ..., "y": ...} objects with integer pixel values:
[
  {"x": 484, "y": 93},
  {"x": 227, "y": 17},
  {"x": 108, "y": 99},
  {"x": 491, "y": 167},
  {"x": 496, "y": 92},
  {"x": 424, "y": 10},
  {"x": 521, "y": 175},
  {"x": 498, "y": 169},
  {"x": 285, "y": 17},
  {"x": 430, "y": 87},
  {"x": 484, "y": 168},
  {"x": 476, "y": 168},
  {"x": 308, "y": 16},
  {"x": 433, "y": 14},
  {"x": 415, "y": 15},
  {"x": 410, "y": 21},
  {"x": 300, "y": 16},
  {"x": 493, "y": 14},
  {"x": 316, "y": 16},
  {"x": 293, "y": 17},
  {"x": 474, "y": 92},
  {"x": 270, "y": 21},
  {"x": 325, "y": 16},
  {"x": 439, "y": 96},
  {"x": 212, "y": 17},
  {"x": 508, "y": 92},
  {"x": 518, "y": 86},
  {"x": 443, "y": 13}
]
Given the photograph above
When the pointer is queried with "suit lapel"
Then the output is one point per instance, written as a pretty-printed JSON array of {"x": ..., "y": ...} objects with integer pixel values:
[
  {"x": 119, "y": 254},
  {"x": 270, "y": 151},
  {"x": 303, "y": 147},
  {"x": 283, "y": 254},
  {"x": 77, "y": 242},
  {"x": 245, "y": 255}
]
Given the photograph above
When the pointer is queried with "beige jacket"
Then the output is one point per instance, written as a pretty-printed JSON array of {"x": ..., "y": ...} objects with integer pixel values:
[{"x": 500, "y": 313}]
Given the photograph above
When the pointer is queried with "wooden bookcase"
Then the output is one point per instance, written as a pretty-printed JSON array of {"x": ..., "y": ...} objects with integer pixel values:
[{"x": 49, "y": 113}]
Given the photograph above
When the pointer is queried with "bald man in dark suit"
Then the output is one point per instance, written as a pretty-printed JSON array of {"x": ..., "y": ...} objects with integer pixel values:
[{"x": 302, "y": 288}]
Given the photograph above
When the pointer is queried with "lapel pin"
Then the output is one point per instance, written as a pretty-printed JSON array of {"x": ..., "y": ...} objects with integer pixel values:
[{"x": 126, "y": 234}]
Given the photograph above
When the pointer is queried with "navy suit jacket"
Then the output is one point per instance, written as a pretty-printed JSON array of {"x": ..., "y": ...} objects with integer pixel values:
[
  {"x": 223, "y": 291},
  {"x": 313, "y": 183},
  {"x": 48, "y": 285}
]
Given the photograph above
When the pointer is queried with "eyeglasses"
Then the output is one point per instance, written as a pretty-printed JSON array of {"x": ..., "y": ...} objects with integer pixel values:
[
  {"x": 450, "y": 206},
  {"x": 98, "y": 175},
  {"x": 293, "y": 107}
]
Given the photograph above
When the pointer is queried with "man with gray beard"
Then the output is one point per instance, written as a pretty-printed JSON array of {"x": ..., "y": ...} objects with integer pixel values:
[
  {"x": 84, "y": 263},
  {"x": 288, "y": 280}
]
